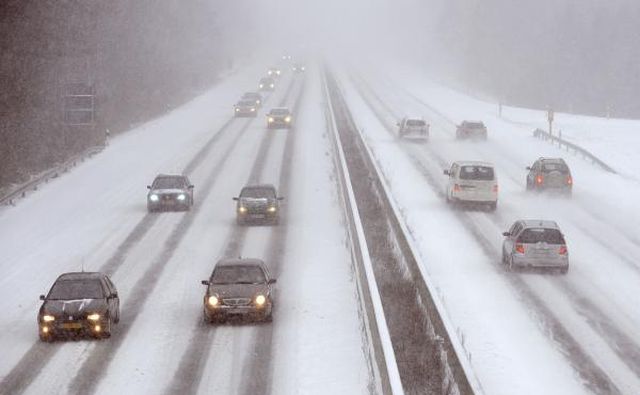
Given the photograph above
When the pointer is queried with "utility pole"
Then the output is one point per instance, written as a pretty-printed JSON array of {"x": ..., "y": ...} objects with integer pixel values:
[{"x": 550, "y": 119}]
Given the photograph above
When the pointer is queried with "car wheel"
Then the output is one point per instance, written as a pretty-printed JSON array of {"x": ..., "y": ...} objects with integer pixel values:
[
  {"x": 564, "y": 270},
  {"x": 240, "y": 222},
  {"x": 493, "y": 206},
  {"x": 117, "y": 319},
  {"x": 46, "y": 338}
]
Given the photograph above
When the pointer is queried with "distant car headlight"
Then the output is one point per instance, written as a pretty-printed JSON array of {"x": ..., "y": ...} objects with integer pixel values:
[
  {"x": 302, "y": 68},
  {"x": 261, "y": 85},
  {"x": 271, "y": 119},
  {"x": 253, "y": 109},
  {"x": 261, "y": 300},
  {"x": 271, "y": 85},
  {"x": 278, "y": 72},
  {"x": 257, "y": 101},
  {"x": 154, "y": 198},
  {"x": 242, "y": 209},
  {"x": 213, "y": 300},
  {"x": 237, "y": 109},
  {"x": 287, "y": 119},
  {"x": 272, "y": 209},
  {"x": 48, "y": 318},
  {"x": 93, "y": 317},
  {"x": 182, "y": 196}
]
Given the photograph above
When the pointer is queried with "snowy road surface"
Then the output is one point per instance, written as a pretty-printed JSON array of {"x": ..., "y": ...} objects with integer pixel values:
[{"x": 523, "y": 333}]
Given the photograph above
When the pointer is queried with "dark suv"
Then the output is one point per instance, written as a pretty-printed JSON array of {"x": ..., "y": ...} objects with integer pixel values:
[
  {"x": 266, "y": 84},
  {"x": 170, "y": 192},
  {"x": 258, "y": 203},
  {"x": 79, "y": 304},
  {"x": 239, "y": 287},
  {"x": 550, "y": 174}
]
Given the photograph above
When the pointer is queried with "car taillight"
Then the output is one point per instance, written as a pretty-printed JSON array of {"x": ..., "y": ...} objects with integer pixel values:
[
  {"x": 520, "y": 248},
  {"x": 563, "y": 250},
  {"x": 539, "y": 179},
  {"x": 569, "y": 180},
  {"x": 495, "y": 188},
  {"x": 456, "y": 187}
]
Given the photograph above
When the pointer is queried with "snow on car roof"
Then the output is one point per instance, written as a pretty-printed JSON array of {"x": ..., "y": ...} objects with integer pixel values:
[
  {"x": 473, "y": 163},
  {"x": 540, "y": 223}
]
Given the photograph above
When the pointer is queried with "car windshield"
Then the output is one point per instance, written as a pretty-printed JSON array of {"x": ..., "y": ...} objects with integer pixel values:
[
  {"x": 248, "y": 103},
  {"x": 475, "y": 125},
  {"x": 266, "y": 81},
  {"x": 258, "y": 193},
  {"x": 415, "y": 122},
  {"x": 168, "y": 183},
  {"x": 279, "y": 111},
  {"x": 551, "y": 167},
  {"x": 541, "y": 235},
  {"x": 76, "y": 289},
  {"x": 481, "y": 173},
  {"x": 238, "y": 275},
  {"x": 251, "y": 95}
]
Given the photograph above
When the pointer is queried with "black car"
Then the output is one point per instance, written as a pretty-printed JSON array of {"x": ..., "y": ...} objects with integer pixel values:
[
  {"x": 256, "y": 96},
  {"x": 79, "y": 304},
  {"x": 170, "y": 192},
  {"x": 239, "y": 287},
  {"x": 245, "y": 108},
  {"x": 258, "y": 204},
  {"x": 550, "y": 174},
  {"x": 267, "y": 84},
  {"x": 279, "y": 117}
]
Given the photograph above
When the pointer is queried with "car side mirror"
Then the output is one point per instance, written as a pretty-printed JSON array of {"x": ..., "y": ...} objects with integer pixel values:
[
  {"x": 190, "y": 187},
  {"x": 114, "y": 295},
  {"x": 446, "y": 172},
  {"x": 42, "y": 297},
  {"x": 280, "y": 198},
  {"x": 506, "y": 234},
  {"x": 148, "y": 186},
  {"x": 272, "y": 281},
  {"x": 204, "y": 282},
  {"x": 528, "y": 167},
  {"x": 236, "y": 198}
]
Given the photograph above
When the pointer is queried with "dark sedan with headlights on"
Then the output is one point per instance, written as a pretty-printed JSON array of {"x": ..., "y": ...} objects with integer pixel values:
[
  {"x": 258, "y": 204},
  {"x": 79, "y": 304},
  {"x": 170, "y": 192},
  {"x": 245, "y": 108},
  {"x": 239, "y": 287},
  {"x": 267, "y": 84},
  {"x": 279, "y": 117}
]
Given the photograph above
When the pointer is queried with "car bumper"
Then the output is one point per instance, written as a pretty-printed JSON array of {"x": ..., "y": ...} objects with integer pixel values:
[
  {"x": 540, "y": 262},
  {"x": 257, "y": 217},
  {"x": 168, "y": 204},
  {"x": 71, "y": 329},
  {"x": 476, "y": 197},
  {"x": 279, "y": 124},
  {"x": 244, "y": 311}
]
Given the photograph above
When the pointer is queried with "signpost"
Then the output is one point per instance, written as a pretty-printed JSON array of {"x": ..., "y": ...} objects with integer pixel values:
[{"x": 550, "y": 119}]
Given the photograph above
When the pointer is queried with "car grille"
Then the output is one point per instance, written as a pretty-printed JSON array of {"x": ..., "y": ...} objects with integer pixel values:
[{"x": 236, "y": 301}]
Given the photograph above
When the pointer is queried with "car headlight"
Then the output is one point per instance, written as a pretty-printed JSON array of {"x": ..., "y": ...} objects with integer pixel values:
[
  {"x": 271, "y": 119},
  {"x": 154, "y": 198},
  {"x": 242, "y": 209},
  {"x": 253, "y": 109},
  {"x": 261, "y": 300},
  {"x": 213, "y": 300},
  {"x": 93, "y": 317},
  {"x": 257, "y": 101},
  {"x": 48, "y": 318},
  {"x": 261, "y": 85},
  {"x": 271, "y": 85},
  {"x": 287, "y": 119},
  {"x": 272, "y": 209},
  {"x": 237, "y": 109},
  {"x": 278, "y": 72},
  {"x": 182, "y": 196}
]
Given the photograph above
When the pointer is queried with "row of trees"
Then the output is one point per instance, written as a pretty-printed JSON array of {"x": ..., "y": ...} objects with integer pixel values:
[
  {"x": 143, "y": 57},
  {"x": 573, "y": 55}
]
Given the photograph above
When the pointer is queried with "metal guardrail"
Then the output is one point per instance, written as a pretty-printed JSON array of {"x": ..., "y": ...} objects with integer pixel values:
[
  {"x": 544, "y": 135},
  {"x": 32, "y": 185}
]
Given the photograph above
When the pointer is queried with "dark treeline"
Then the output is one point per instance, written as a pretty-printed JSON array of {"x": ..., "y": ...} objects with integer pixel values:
[
  {"x": 143, "y": 56},
  {"x": 574, "y": 55}
]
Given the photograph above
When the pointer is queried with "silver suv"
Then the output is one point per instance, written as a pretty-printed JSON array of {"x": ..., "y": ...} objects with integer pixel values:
[
  {"x": 551, "y": 174},
  {"x": 535, "y": 244}
]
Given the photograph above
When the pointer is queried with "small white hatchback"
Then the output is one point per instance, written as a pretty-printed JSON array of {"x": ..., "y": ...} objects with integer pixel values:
[{"x": 472, "y": 182}]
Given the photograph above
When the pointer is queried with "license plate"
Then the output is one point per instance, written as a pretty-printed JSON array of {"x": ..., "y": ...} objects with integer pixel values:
[
  {"x": 257, "y": 216},
  {"x": 72, "y": 325}
]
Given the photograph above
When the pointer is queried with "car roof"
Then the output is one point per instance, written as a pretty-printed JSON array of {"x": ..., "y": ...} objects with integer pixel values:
[
  {"x": 413, "y": 118},
  {"x": 470, "y": 121},
  {"x": 71, "y": 276},
  {"x": 170, "y": 176},
  {"x": 552, "y": 160},
  {"x": 540, "y": 223},
  {"x": 266, "y": 186},
  {"x": 280, "y": 109},
  {"x": 240, "y": 262},
  {"x": 473, "y": 163}
]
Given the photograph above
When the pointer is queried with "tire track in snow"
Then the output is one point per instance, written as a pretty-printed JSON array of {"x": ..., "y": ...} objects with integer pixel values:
[
  {"x": 595, "y": 378},
  {"x": 186, "y": 379}
]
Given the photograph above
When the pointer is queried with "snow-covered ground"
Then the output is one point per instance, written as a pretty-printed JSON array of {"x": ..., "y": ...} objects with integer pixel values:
[
  {"x": 82, "y": 220},
  {"x": 525, "y": 333}
]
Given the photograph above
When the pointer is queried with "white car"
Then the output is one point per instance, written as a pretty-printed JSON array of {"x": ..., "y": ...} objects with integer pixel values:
[
  {"x": 472, "y": 182},
  {"x": 413, "y": 128}
]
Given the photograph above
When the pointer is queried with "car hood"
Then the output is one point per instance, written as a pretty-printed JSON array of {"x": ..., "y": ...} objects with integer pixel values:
[
  {"x": 74, "y": 307},
  {"x": 238, "y": 290},
  {"x": 167, "y": 191}
]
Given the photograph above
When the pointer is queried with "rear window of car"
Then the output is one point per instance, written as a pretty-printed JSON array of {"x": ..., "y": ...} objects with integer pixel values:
[
  {"x": 539, "y": 235},
  {"x": 258, "y": 193},
  {"x": 559, "y": 167},
  {"x": 479, "y": 173},
  {"x": 415, "y": 122},
  {"x": 475, "y": 125},
  {"x": 76, "y": 289},
  {"x": 168, "y": 183}
]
